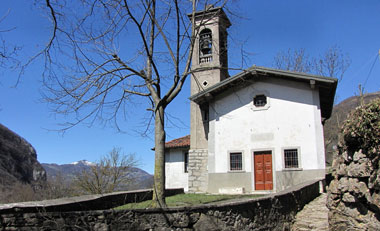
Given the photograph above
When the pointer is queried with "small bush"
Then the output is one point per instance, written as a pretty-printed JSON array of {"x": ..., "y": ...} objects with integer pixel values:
[
  {"x": 362, "y": 129},
  {"x": 17, "y": 192}
]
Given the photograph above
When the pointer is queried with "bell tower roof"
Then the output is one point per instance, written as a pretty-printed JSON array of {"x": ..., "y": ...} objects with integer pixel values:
[{"x": 211, "y": 12}]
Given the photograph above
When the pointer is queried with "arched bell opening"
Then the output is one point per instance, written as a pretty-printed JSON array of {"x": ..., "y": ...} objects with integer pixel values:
[{"x": 205, "y": 46}]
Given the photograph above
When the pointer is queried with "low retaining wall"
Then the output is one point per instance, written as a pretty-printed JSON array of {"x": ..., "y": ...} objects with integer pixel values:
[
  {"x": 84, "y": 203},
  {"x": 272, "y": 212}
]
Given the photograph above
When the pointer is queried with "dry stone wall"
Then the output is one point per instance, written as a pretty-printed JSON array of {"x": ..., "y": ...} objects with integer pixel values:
[
  {"x": 272, "y": 212},
  {"x": 354, "y": 192}
]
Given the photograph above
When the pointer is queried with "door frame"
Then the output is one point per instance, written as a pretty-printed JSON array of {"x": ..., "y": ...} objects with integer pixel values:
[{"x": 253, "y": 169}]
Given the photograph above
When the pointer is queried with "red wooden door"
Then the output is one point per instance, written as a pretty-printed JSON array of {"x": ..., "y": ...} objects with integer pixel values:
[{"x": 263, "y": 170}]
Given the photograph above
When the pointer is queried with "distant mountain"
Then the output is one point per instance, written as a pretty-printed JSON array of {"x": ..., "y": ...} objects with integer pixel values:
[
  {"x": 141, "y": 178},
  {"x": 18, "y": 161},
  {"x": 83, "y": 162},
  {"x": 339, "y": 115}
]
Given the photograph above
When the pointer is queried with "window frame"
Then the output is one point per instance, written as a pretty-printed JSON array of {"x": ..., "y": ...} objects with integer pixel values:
[
  {"x": 299, "y": 167},
  {"x": 257, "y": 93},
  {"x": 242, "y": 161}
]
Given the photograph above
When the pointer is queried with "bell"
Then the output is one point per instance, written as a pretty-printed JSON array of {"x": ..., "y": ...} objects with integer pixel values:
[
  {"x": 206, "y": 50},
  {"x": 206, "y": 46}
]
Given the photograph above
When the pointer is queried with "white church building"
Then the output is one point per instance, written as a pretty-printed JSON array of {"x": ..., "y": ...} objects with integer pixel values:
[{"x": 259, "y": 131}]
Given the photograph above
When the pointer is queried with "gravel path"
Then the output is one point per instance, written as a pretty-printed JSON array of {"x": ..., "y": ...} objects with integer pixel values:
[{"x": 314, "y": 216}]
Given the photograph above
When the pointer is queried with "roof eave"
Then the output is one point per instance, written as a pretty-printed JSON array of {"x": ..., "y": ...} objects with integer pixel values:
[{"x": 322, "y": 82}]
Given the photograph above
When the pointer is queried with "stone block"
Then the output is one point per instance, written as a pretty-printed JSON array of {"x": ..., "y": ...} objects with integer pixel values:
[
  {"x": 333, "y": 187},
  {"x": 196, "y": 174},
  {"x": 347, "y": 197},
  {"x": 336, "y": 162},
  {"x": 341, "y": 170},
  {"x": 346, "y": 157},
  {"x": 376, "y": 200},
  {"x": 357, "y": 187},
  {"x": 359, "y": 155},
  {"x": 359, "y": 169},
  {"x": 374, "y": 180},
  {"x": 343, "y": 184}
]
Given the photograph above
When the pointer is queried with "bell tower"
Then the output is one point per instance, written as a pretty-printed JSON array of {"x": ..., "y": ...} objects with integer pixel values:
[
  {"x": 210, "y": 59},
  {"x": 209, "y": 66}
]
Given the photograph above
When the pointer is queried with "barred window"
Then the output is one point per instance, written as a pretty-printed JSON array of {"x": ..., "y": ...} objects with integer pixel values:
[
  {"x": 291, "y": 158},
  {"x": 260, "y": 100},
  {"x": 236, "y": 162}
]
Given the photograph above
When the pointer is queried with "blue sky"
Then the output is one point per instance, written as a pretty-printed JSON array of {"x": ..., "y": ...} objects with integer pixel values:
[{"x": 263, "y": 27}]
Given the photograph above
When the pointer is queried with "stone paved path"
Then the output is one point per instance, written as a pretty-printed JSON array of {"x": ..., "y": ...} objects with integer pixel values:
[{"x": 314, "y": 216}]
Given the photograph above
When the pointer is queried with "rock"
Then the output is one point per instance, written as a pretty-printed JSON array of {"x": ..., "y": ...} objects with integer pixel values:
[
  {"x": 332, "y": 200},
  {"x": 343, "y": 185},
  {"x": 359, "y": 155},
  {"x": 18, "y": 160},
  {"x": 342, "y": 170},
  {"x": 376, "y": 200},
  {"x": 374, "y": 180},
  {"x": 206, "y": 222},
  {"x": 363, "y": 169},
  {"x": 359, "y": 189},
  {"x": 347, "y": 197},
  {"x": 346, "y": 156}
]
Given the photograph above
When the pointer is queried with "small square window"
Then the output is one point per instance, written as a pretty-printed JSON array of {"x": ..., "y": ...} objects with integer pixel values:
[
  {"x": 291, "y": 158},
  {"x": 260, "y": 100},
  {"x": 236, "y": 161}
]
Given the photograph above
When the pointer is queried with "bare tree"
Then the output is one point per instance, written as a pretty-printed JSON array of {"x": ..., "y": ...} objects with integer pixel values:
[
  {"x": 333, "y": 62},
  {"x": 105, "y": 54},
  {"x": 108, "y": 175},
  {"x": 8, "y": 52},
  {"x": 293, "y": 60},
  {"x": 58, "y": 187}
]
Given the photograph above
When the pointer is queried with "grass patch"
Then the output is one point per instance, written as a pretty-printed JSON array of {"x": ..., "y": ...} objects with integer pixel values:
[{"x": 188, "y": 199}]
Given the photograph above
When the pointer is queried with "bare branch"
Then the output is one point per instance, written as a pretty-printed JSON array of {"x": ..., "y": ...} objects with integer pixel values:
[
  {"x": 100, "y": 59},
  {"x": 332, "y": 63}
]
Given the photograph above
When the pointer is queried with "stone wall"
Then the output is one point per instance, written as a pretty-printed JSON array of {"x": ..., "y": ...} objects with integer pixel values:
[
  {"x": 83, "y": 203},
  {"x": 354, "y": 192},
  {"x": 198, "y": 174},
  {"x": 272, "y": 212},
  {"x": 354, "y": 199}
]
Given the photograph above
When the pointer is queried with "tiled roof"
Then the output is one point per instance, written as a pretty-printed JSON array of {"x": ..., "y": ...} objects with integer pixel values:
[{"x": 179, "y": 143}]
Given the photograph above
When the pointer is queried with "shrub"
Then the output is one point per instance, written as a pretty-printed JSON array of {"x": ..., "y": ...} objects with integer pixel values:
[
  {"x": 17, "y": 192},
  {"x": 110, "y": 174},
  {"x": 362, "y": 129}
]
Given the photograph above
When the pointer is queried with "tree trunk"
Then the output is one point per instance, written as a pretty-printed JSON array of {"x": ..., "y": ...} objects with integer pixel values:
[{"x": 159, "y": 165}]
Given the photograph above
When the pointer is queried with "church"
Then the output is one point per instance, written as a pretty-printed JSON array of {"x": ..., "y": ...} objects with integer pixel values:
[{"x": 259, "y": 131}]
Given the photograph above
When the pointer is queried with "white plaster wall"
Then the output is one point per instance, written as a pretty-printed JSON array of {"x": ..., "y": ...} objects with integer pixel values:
[
  {"x": 291, "y": 119},
  {"x": 175, "y": 169}
]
